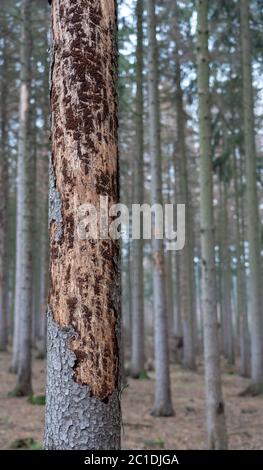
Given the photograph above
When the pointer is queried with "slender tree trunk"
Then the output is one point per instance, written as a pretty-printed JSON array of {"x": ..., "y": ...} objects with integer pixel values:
[
  {"x": 83, "y": 409},
  {"x": 129, "y": 298},
  {"x": 177, "y": 325},
  {"x": 169, "y": 271},
  {"x": 137, "y": 353},
  {"x": 169, "y": 290},
  {"x": 187, "y": 265},
  {"x": 23, "y": 295},
  {"x": 177, "y": 322},
  {"x": 3, "y": 204},
  {"x": 43, "y": 292},
  {"x": 44, "y": 171},
  {"x": 226, "y": 281},
  {"x": 241, "y": 283},
  {"x": 253, "y": 222},
  {"x": 214, "y": 401},
  {"x": 163, "y": 401},
  {"x": 36, "y": 223}
]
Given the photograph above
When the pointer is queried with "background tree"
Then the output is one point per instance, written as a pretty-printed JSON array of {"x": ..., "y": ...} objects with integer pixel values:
[
  {"x": 255, "y": 262},
  {"x": 163, "y": 401},
  {"x": 137, "y": 360},
  {"x": 4, "y": 198},
  {"x": 215, "y": 406},
  {"x": 23, "y": 299}
]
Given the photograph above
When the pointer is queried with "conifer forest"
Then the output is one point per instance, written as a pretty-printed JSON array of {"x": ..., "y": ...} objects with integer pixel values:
[{"x": 131, "y": 209}]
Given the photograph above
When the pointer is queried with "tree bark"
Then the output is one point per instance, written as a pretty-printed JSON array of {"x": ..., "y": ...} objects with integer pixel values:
[
  {"x": 41, "y": 342},
  {"x": 137, "y": 353},
  {"x": 253, "y": 222},
  {"x": 177, "y": 324},
  {"x": 177, "y": 327},
  {"x": 217, "y": 438},
  {"x": 3, "y": 204},
  {"x": 169, "y": 291},
  {"x": 226, "y": 280},
  {"x": 187, "y": 264},
  {"x": 23, "y": 293},
  {"x": 44, "y": 171},
  {"x": 163, "y": 401},
  {"x": 83, "y": 387},
  {"x": 241, "y": 279}
]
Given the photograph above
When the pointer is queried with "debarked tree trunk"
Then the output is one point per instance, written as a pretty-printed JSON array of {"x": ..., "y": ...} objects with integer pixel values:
[{"x": 83, "y": 409}]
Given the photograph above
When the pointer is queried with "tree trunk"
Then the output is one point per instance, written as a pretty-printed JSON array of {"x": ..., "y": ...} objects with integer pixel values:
[
  {"x": 253, "y": 222},
  {"x": 137, "y": 353},
  {"x": 83, "y": 409},
  {"x": 226, "y": 281},
  {"x": 36, "y": 222},
  {"x": 3, "y": 204},
  {"x": 44, "y": 170},
  {"x": 23, "y": 295},
  {"x": 169, "y": 290},
  {"x": 177, "y": 323},
  {"x": 187, "y": 265},
  {"x": 241, "y": 281},
  {"x": 177, "y": 326},
  {"x": 163, "y": 401},
  {"x": 43, "y": 291},
  {"x": 215, "y": 406}
]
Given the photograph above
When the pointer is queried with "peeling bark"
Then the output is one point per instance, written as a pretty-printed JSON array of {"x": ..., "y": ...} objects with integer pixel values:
[{"x": 84, "y": 274}]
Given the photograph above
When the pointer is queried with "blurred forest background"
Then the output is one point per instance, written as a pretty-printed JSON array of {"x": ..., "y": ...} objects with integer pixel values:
[{"x": 232, "y": 109}]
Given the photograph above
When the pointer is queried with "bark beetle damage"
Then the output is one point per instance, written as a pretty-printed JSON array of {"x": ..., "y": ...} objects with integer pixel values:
[{"x": 84, "y": 275}]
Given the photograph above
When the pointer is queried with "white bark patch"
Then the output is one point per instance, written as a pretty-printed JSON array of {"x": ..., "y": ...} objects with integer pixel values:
[
  {"x": 55, "y": 213},
  {"x": 74, "y": 419}
]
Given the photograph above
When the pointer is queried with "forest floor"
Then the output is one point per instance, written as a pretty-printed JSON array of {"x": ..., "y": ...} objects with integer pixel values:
[{"x": 21, "y": 423}]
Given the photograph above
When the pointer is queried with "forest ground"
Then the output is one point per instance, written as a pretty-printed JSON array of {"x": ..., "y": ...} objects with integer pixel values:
[{"x": 21, "y": 423}]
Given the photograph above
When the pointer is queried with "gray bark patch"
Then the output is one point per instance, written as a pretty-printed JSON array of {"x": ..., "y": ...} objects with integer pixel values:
[
  {"x": 74, "y": 419},
  {"x": 55, "y": 207}
]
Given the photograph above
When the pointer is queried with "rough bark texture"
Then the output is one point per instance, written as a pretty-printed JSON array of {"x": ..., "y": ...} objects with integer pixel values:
[
  {"x": 215, "y": 406},
  {"x": 163, "y": 402},
  {"x": 74, "y": 418},
  {"x": 253, "y": 223},
  {"x": 85, "y": 284},
  {"x": 137, "y": 353}
]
